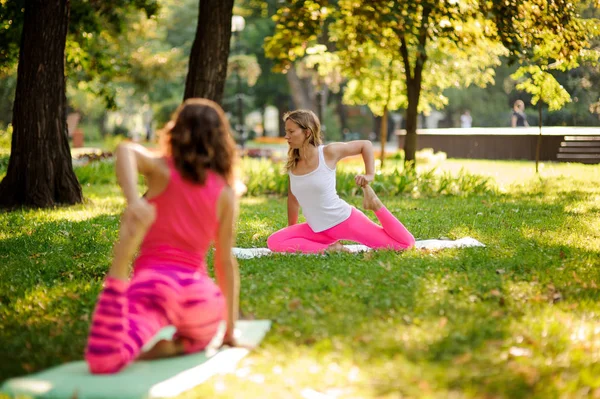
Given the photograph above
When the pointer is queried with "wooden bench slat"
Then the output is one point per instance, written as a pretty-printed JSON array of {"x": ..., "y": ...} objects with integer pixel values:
[
  {"x": 579, "y": 150},
  {"x": 579, "y": 156},
  {"x": 582, "y": 138},
  {"x": 580, "y": 144}
]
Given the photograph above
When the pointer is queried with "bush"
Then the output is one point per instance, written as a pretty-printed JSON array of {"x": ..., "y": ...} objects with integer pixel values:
[
  {"x": 264, "y": 177},
  {"x": 99, "y": 172},
  {"x": 110, "y": 143}
]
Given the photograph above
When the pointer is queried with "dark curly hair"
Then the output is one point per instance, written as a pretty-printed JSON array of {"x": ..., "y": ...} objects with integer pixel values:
[{"x": 199, "y": 138}]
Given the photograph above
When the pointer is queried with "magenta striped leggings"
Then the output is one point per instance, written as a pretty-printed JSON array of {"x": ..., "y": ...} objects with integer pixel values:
[
  {"x": 129, "y": 314},
  {"x": 358, "y": 227}
]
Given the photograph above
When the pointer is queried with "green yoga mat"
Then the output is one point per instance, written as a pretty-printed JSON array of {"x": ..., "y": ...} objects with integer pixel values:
[{"x": 143, "y": 379}]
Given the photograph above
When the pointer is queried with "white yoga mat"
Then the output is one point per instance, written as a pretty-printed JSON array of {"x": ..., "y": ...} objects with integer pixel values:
[{"x": 248, "y": 253}]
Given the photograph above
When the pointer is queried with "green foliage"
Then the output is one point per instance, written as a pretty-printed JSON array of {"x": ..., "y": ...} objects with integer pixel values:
[
  {"x": 97, "y": 173},
  {"x": 5, "y": 139},
  {"x": 111, "y": 142},
  {"x": 542, "y": 86},
  {"x": 535, "y": 30},
  {"x": 246, "y": 66},
  {"x": 264, "y": 177},
  {"x": 93, "y": 50},
  {"x": 8, "y": 85},
  {"x": 377, "y": 54}
]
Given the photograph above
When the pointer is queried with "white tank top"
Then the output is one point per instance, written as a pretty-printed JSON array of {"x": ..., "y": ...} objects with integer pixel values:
[{"x": 316, "y": 194}]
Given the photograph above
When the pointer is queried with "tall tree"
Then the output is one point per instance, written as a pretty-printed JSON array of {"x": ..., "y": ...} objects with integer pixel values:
[
  {"x": 208, "y": 60},
  {"x": 420, "y": 33},
  {"x": 40, "y": 172},
  {"x": 551, "y": 50},
  {"x": 384, "y": 49}
]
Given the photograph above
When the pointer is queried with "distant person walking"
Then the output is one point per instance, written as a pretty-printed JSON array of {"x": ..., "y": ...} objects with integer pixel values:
[
  {"x": 466, "y": 120},
  {"x": 519, "y": 119}
]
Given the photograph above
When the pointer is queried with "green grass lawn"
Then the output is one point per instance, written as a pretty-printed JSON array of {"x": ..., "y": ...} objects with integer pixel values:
[{"x": 519, "y": 318}]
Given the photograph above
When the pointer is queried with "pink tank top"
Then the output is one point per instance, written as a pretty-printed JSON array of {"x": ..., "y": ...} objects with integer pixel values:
[{"x": 186, "y": 222}]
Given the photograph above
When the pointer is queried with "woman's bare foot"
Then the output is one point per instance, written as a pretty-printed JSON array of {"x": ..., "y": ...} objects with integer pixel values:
[
  {"x": 163, "y": 348},
  {"x": 371, "y": 200},
  {"x": 337, "y": 247}
]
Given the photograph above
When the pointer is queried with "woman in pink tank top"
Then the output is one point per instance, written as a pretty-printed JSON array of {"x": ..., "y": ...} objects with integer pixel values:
[
  {"x": 311, "y": 167},
  {"x": 190, "y": 203}
]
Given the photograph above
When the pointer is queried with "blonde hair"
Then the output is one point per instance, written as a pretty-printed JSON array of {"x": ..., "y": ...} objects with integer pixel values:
[
  {"x": 519, "y": 103},
  {"x": 198, "y": 138},
  {"x": 307, "y": 120}
]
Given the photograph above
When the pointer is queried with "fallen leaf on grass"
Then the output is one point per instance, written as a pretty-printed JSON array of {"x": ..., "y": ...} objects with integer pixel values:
[
  {"x": 386, "y": 265},
  {"x": 294, "y": 304}
]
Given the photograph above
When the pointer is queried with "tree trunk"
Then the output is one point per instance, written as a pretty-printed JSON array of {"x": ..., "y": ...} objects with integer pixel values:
[
  {"x": 412, "y": 115},
  {"x": 376, "y": 126},
  {"x": 40, "y": 171},
  {"x": 282, "y": 108},
  {"x": 208, "y": 59},
  {"x": 383, "y": 134},
  {"x": 341, "y": 110},
  {"x": 303, "y": 95},
  {"x": 414, "y": 78},
  {"x": 539, "y": 140}
]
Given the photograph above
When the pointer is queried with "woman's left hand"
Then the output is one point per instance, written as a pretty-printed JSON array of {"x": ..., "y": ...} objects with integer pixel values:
[{"x": 364, "y": 180}]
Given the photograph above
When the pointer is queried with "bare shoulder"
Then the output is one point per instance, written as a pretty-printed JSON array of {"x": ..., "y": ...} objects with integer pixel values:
[
  {"x": 336, "y": 151},
  {"x": 226, "y": 202},
  {"x": 331, "y": 150}
]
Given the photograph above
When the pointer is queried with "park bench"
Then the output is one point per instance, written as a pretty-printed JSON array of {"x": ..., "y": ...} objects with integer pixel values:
[{"x": 583, "y": 149}]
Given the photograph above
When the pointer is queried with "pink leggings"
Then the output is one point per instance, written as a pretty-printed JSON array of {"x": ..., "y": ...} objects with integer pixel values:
[
  {"x": 359, "y": 228},
  {"x": 129, "y": 314}
]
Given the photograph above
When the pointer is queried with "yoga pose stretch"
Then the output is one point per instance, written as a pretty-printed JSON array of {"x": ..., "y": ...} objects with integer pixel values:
[
  {"x": 311, "y": 168},
  {"x": 189, "y": 204}
]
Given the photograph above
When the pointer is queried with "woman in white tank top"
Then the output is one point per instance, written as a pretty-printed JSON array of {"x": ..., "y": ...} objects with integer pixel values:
[{"x": 311, "y": 168}]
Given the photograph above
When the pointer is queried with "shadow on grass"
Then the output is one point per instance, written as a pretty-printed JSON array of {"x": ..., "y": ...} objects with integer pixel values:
[
  {"x": 444, "y": 321},
  {"x": 484, "y": 300},
  {"x": 51, "y": 275}
]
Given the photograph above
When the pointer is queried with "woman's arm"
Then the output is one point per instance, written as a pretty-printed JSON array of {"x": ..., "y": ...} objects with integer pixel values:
[
  {"x": 336, "y": 151},
  {"x": 131, "y": 159},
  {"x": 226, "y": 266},
  {"x": 293, "y": 207},
  {"x": 513, "y": 120}
]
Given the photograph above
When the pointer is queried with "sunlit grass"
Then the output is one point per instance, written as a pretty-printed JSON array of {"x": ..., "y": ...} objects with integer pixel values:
[{"x": 516, "y": 319}]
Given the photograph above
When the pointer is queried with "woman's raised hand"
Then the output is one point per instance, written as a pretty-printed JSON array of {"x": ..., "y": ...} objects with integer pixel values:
[{"x": 363, "y": 180}]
